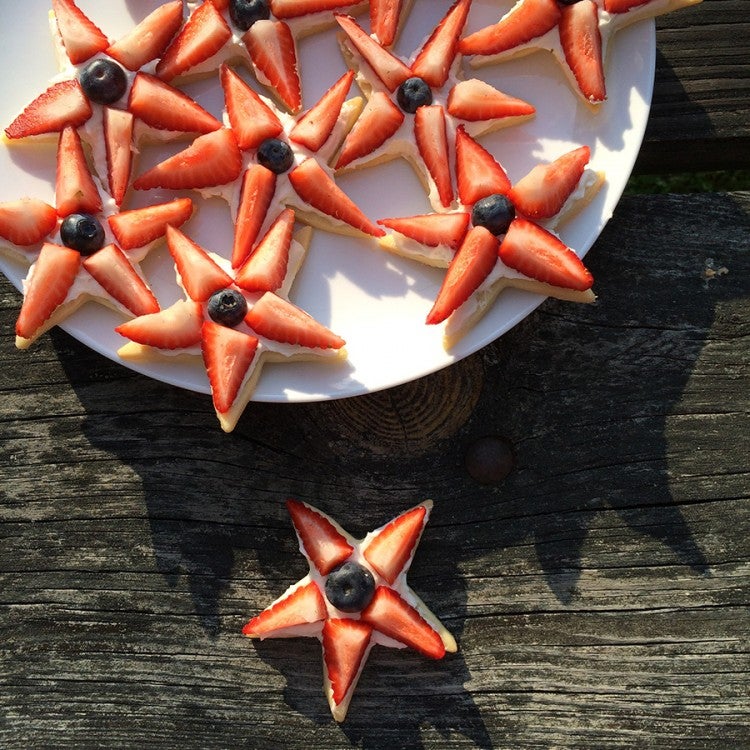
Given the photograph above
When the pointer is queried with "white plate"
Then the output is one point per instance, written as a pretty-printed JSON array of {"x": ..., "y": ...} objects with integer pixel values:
[{"x": 375, "y": 301}]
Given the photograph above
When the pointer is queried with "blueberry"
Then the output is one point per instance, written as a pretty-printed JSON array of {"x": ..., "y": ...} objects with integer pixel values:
[
  {"x": 82, "y": 232},
  {"x": 103, "y": 81},
  {"x": 412, "y": 94},
  {"x": 495, "y": 212},
  {"x": 350, "y": 587},
  {"x": 275, "y": 155},
  {"x": 244, "y": 13},
  {"x": 227, "y": 307}
]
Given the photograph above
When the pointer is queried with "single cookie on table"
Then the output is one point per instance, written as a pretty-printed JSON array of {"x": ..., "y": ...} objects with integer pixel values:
[
  {"x": 577, "y": 32},
  {"x": 355, "y": 596},
  {"x": 502, "y": 235},
  {"x": 413, "y": 108}
]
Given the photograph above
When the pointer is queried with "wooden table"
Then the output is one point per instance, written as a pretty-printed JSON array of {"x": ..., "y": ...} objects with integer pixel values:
[{"x": 599, "y": 593}]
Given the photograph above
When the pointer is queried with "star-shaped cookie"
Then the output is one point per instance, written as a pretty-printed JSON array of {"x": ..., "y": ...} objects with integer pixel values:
[
  {"x": 354, "y": 597},
  {"x": 577, "y": 33}
]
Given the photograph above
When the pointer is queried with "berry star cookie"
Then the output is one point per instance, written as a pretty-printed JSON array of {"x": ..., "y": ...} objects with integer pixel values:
[
  {"x": 501, "y": 236},
  {"x": 413, "y": 109},
  {"x": 577, "y": 32},
  {"x": 354, "y": 597},
  {"x": 236, "y": 320}
]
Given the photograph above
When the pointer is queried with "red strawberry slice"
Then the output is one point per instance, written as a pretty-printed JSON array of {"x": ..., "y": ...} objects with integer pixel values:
[
  {"x": 313, "y": 184},
  {"x": 525, "y": 21},
  {"x": 81, "y": 38},
  {"x": 477, "y": 173},
  {"x": 256, "y": 194},
  {"x": 543, "y": 191},
  {"x": 211, "y": 159},
  {"x": 396, "y": 618},
  {"x": 475, "y": 101},
  {"x": 314, "y": 127},
  {"x": 302, "y": 606},
  {"x": 111, "y": 268},
  {"x": 537, "y": 253},
  {"x": 391, "y": 550},
  {"x": 582, "y": 45},
  {"x": 139, "y": 226},
  {"x": 276, "y": 319},
  {"x": 271, "y": 47},
  {"x": 265, "y": 270},
  {"x": 149, "y": 38},
  {"x": 54, "y": 272},
  {"x": 297, "y": 8},
  {"x": 432, "y": 142},
  {"x": 164, "y": 107},
  {"x": 252, "y": 120},
  {"x": 26, "y": 221},
  {"x": 469, "y": 268},
  {"x": 622, "y": 6},
  {"x": 220, "y": 4},
  {"x": 433, "y": 63},
  {"x": 200, "y": 276},
  {"x": 75, "y": 191},
  {"x": 227, "y": 354},
  {"x": 118, "y": 143},
  {"x": 384, "y": 20},
  {"x": 432, "y": 229},
  {"x": 379, "y": 120},
  {"x": 61, "y": 104},
  {"x": 202, "y": 36},
  {"x": 345, "y": 644},
  {"x": 175, "y": 327},
  {"x": 388, "y": 68},
  {"x": 321, "y": 541}
]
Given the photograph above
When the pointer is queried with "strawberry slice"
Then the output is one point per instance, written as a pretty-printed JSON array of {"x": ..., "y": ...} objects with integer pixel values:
[
  {"x": 469, "y": 268},
  {"x": 477, "y": 173},
  {"x": 271, "y": 47},
  {"x": 297, "y": 8},
  {"x": 26, "y": 221},
  {"x": 60, "y": 105},
  {"x": 474, "y": 101},
  {"x": 432, "y": 142},
  {"x": 432, "y": 229},
  {"x": 265, "y": 270},
  {"x": 390, "y": 551},
  {"x": 47, "y": 287},
  {"x": 139, "y": 226},
  {"x": 345, "y": 645},
  {"x": 379, "y": 120},
  {"x": 81, "y": 38},
  {"x": 314, "y": 127},
  {"x": 525, "y": 21},
  {"x": 582, "y": 45},
  {"x": 75, "y": 190},
  {"x": 433, "y": 63},
  {"x": 256, "y": 194},
  {"x": 384, "y": 20},
  {"x": 115, "y": 273},
  {"x": 303, "y": 606},
  {"x": 275, "y": 318},
  {"x": 118, "y": 144},
  {"x": 220, "y": 4},
  {"x": 388, "y": 68},
  {"x": 211, "y": 159},
  {"x": 313, "y": 184},
  {"x": 252, "y": 120},
  {"x": 202, "y": 36},
  {"x": 175, "y": 327},
  {"x": 537, "y": 253},
  {"x": 622, "y": 6},
  {"x": 322, "y": 543},
  {"x": 396, "y": 618},
  {"x": 165, "y": 108},
  {"x": 200, "y": 276},
  {"x": 149, "y": 38},
  {"x": 543, "y": 191},
  {"x": 227, "y": 354}
]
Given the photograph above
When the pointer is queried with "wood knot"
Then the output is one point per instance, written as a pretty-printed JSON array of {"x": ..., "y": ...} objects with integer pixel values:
[{"x": 490, "y": 459}]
